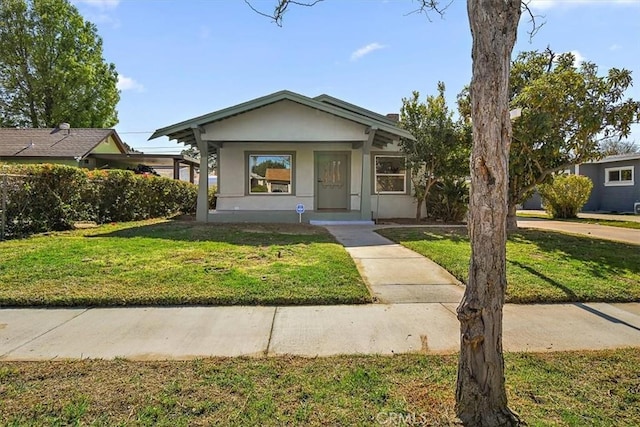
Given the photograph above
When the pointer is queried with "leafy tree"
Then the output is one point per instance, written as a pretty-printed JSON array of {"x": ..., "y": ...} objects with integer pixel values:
[
  {"x": 481, "y": 398},
  {"x": 567, "y": 111},
  {"x": 617, "y": 146},
  {"x": 51, "y": 67},
  {"x": 440, "y": 148},
  {"x": 261, "y": 168}
]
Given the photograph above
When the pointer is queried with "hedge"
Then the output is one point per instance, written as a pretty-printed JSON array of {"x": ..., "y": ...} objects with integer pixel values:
[{"x": 51, "y": 197}]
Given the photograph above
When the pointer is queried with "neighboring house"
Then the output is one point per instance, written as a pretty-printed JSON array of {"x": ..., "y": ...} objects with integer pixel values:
[
  {"x": 341, "y": 161},
  {"x": 86, "y": 148},
  {"x": 615, "y": 186}
]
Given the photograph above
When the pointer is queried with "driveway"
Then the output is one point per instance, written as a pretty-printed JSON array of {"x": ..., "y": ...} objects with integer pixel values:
[{"x": 617, "y": 234}]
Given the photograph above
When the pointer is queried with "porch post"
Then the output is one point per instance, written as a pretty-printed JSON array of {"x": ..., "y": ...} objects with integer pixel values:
[
  {"x": 202, "y": 208},
  {"x": 176, "y": 169},
  {"x": 365, "y": 190}
]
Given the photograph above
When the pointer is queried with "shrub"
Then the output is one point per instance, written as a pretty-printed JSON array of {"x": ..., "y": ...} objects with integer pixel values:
[
  {"x": 259, "y": 189},
  {"x": 565, "y": 195},
  {"x": 52, "y": 197},
  {"x": 46, "y": 198},
  {"x": 448, "y": 200}
]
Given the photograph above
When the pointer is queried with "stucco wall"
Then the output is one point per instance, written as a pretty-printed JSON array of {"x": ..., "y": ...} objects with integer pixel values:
[
  {"x": 284, "y": 121},
  {"x": 107, "y": 147}
]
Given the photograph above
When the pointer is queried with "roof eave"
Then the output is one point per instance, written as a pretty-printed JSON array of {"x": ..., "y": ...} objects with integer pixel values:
[{"x": 270, "y": 99}]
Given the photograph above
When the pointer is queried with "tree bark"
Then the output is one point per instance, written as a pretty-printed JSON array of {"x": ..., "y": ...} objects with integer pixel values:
[
  {"x": 512, "y": 219},
  {"x": 480, "y": 394}
]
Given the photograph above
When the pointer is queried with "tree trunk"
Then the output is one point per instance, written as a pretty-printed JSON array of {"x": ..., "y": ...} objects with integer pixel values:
[
  {"x": 480, "y": 395},
  {"x": 419, "y": 209},
  {"x": 512, "y": 220}
]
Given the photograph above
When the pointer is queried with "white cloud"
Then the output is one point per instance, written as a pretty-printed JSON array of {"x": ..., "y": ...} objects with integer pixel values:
[
  {"x": 127, "y": 83},
  {"x": 365, "y": 50},
  {"x": 579, "y": 57},
  {"x": 615, "y": 46},
  {"x": 100, "y": 4}
]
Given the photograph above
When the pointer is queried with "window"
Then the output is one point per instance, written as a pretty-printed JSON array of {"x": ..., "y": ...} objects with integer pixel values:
[
  {"x": 618, "y": 176},
  {"x": 270, "y": 173},
  {"x": 391, "y": 175}
]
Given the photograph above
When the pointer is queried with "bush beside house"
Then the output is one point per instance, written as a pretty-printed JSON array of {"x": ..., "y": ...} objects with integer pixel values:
[
  {"x": 48, "y": 197},
  {"x": 566, "y": 195}
]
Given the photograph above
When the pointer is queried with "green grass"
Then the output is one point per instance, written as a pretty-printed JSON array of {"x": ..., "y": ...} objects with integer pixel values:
[
  {"x": 174, "y": 262},
  {"x": 577, "y": 388},
  {"x": 610, "y": 222},
  {"x": 542, "y": 266}
]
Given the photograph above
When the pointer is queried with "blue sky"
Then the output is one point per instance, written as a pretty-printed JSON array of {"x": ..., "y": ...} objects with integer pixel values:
[{"x": 182, "y": 58}]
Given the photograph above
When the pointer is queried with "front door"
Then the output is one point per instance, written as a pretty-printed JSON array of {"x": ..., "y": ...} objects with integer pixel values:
[{"x": 333, "y": 180}]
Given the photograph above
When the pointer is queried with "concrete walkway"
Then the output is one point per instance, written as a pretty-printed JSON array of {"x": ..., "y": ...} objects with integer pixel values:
[
  {"x": 154, "y": 333},
  {"x": 393, "y": 273},
  {"x": 618, "y": 234}
]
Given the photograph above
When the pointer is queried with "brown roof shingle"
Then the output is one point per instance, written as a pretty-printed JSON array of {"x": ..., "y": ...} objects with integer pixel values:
[
  {"x": 278, "y": 175},
  {"x": 16, "y": 142}
]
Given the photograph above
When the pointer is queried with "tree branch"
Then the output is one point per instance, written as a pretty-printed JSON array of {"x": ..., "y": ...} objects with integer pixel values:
[
  {"x": 281, "y": 8},
  {"x": 426, "y": 6},
  {"x": 535, "y": 27}
]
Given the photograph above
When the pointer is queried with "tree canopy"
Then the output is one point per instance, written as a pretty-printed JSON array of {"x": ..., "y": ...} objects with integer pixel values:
[
  {"x": 567, "y": 110},
  {"x": 52, "y": 68},
  {"x": 441, "y": 147}
]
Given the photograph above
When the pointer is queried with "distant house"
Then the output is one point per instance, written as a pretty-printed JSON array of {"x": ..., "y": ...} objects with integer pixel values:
[
  {"x": 340, "y": 161},
  {"x": 278, "y": 180},
  {"x": 82, "y": 147},
  {"x": 615, "y": 186}
]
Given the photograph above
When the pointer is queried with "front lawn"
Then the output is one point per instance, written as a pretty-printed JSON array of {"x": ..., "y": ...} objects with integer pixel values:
[
  {"x": 542, "y": 266},
  {"x": 575, "y": 388},
  {"x": 176, "y": 262}
]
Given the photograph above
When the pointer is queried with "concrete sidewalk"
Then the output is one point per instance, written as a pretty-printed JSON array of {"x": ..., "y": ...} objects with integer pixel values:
[
  {"x": 154, "y": 333},
  {"x": 393, "y": 273},
  {"x": 617, "y": 234}
]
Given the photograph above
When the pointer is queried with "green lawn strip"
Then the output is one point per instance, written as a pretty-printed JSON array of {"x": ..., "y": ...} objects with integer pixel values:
[
  {"x": 174, "y": 262},
  {"x": 542, "y": 266},
  {"x": 610, "y": 222},
  {"x": 574, "y": 388}
]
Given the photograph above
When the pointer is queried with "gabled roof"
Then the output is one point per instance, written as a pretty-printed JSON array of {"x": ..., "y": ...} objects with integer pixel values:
[
  {"x": 618, "y": 158},
  {"x": 183, "y": 131},
  {"x": 327, "y": 99},
  {"x": 54, "y": 143}
]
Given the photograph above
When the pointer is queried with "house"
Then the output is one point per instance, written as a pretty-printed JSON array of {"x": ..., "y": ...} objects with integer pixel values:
[
  {"x": 340, "y": 161},
  {"x": 615, "y": 187},
  {"x": 86, "y": 148}
]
